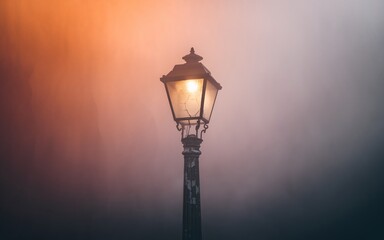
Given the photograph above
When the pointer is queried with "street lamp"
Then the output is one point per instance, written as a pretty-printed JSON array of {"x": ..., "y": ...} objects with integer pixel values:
[{"x": 191, "y": 92}]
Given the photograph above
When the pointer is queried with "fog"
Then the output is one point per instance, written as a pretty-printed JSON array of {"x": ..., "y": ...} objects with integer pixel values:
[{"x": 89, "y": 149}]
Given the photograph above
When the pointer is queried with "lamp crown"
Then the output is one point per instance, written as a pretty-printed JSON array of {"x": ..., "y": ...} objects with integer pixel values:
[{"x": 192, "y": 57}]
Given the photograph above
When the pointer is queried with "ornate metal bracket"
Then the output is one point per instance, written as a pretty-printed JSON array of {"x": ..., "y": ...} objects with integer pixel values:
[
  {"x": 178, "y": 126},
  {"x": 203, "y": 130},
  {"x": 185, "y": 129}
]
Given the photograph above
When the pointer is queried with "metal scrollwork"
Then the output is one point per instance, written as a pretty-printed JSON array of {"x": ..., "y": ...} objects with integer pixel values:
[
  {"x": 178, "y": 126},
  {"x": 200, "y": 128},
  {"x": 203, "y": 130}
]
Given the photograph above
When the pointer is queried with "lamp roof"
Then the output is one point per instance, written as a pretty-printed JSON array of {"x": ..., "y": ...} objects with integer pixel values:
[{"x": 191, "y": 69}]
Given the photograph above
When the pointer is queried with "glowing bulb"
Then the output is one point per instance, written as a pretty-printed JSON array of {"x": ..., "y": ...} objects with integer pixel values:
[{"x": 192, "y": 86}]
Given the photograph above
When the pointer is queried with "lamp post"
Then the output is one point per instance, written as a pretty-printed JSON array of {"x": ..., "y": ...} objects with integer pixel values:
[{"x": 191, "y": 92}]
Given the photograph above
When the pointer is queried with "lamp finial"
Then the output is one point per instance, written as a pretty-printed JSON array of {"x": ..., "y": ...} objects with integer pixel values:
[{"x": 192, "y": 57}]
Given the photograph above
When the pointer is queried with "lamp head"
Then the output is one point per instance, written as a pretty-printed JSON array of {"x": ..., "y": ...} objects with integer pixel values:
[{"x": 191, "y": 91}]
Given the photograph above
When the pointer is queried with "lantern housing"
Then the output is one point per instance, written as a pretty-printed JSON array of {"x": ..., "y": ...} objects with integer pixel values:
[{"x": 191, "y": 91}]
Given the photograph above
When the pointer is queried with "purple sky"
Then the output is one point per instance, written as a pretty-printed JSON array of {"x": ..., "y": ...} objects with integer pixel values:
[{"x": 293, "y": 150}]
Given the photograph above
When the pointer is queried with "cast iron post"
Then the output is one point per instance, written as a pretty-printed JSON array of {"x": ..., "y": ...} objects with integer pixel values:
[{"x": 191, "y": 198}]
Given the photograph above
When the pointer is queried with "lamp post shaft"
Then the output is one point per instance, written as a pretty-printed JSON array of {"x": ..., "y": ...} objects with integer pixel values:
[{"x": 191, "y": 197}]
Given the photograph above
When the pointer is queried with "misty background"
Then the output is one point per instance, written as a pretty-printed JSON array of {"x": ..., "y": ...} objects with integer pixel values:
[{"x": 89, "y": 149}]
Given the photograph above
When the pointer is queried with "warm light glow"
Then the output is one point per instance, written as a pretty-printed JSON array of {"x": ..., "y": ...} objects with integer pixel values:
[
  {"x": 185, "y": 96},
  {"x": 87, "y": 143},
  {"x": 193, "y": 97},
  {"x": 192, "y": 85}
]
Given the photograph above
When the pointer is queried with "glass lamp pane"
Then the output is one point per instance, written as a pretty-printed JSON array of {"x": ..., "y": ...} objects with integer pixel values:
[
  {"x": 185, "y": 97},
  {"x": 209, "y": 101}
]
